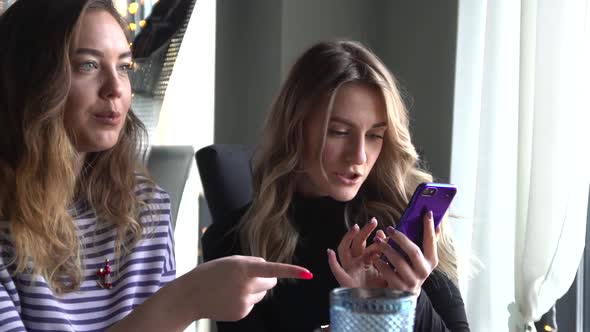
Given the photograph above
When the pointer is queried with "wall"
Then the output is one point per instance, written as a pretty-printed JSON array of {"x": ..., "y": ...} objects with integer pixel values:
[
  {"x": 417, "y": 41},
  {"x": 247, "y": 66},
  {"x": 306, "y": 22}
]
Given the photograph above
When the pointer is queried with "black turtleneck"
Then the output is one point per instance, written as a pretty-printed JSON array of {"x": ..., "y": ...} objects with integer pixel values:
[{"x": 303, "y": 305}]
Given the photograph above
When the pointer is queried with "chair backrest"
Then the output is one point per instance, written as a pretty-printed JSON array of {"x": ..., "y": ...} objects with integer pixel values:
[
  {"x": 170, "y": 167},
  {"x": 226, "y": 176}
]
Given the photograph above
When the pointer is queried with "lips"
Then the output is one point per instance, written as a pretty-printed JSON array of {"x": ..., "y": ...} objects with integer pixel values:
[
  {"x": 109, "y": 118},
  {"x": 349, "y": 178}
]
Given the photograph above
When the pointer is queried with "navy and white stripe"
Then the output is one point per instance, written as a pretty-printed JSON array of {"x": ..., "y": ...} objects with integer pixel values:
[{"x": 27, "y": 306}]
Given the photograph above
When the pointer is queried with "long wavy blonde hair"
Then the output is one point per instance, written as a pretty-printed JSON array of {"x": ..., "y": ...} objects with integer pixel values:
[
  {"x": 265, "y": 230},
  {"x": 38, "y": 161}
]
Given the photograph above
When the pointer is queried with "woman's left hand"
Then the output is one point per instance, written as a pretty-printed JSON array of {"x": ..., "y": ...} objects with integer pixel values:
[
  {"x": 404, "y": 276},
  {"x": 356, "y": 267}
]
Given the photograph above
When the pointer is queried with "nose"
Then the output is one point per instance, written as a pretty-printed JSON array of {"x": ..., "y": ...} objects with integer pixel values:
[
  {"x": 357, "y": 151},
  {"x": 112, "y": 86}
]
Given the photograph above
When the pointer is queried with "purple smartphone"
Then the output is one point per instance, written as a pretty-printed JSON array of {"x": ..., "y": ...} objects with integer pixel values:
[{"x": 435, "y": 197}]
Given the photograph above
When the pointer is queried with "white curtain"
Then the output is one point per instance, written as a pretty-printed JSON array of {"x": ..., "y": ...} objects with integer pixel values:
[{"x": 521, "y": 154}]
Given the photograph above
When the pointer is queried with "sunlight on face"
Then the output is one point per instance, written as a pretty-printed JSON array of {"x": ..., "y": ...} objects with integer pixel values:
[
  {"x": 354, "y": 139},
  {"x": 100, "y": 91}
]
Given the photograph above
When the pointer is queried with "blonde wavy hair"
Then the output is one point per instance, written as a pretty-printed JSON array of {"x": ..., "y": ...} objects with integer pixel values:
[
  {"x": 38, "y": 161},
  {"x": 265, "y": 230}
]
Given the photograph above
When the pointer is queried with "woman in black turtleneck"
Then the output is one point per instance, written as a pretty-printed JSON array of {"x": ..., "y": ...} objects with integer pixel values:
[{"x": 334, "y": 172}]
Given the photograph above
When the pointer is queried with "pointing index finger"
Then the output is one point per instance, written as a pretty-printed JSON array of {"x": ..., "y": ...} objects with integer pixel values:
[{"x": 277, "y": 270}]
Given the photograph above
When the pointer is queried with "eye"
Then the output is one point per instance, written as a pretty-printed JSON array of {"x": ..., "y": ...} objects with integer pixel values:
[
  {"x": 88, "y": 66},
  {"x": 375, "y": 136},
  {"x": 335, "y": 132},
  {"x": 126, "y": 68}
]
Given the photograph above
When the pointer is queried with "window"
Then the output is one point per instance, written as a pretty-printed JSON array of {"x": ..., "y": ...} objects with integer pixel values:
[{"x": 156, "y": 30}]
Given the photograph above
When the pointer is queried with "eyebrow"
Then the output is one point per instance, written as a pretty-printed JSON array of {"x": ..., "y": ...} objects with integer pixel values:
[
  {"x": 97, "y": 53},
  {"x": 348, "y": 123}
]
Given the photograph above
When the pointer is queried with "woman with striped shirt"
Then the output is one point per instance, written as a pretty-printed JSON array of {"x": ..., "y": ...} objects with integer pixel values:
[{"x": 85, "y": 236}]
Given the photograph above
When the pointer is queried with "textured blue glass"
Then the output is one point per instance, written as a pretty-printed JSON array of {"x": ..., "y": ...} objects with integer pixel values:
[{"x": 371, "y": 309}]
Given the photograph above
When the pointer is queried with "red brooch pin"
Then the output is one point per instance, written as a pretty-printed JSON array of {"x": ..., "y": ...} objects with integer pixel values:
[{"x": 104, "y": 275}]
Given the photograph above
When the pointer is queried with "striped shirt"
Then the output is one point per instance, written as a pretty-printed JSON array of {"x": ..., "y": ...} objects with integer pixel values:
[{"x": 26, "y": 306}]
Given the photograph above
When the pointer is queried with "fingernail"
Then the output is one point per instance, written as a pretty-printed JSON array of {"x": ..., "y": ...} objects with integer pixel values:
[
  {"x": 430, "y": 215},
  {"x": 328, "y": 251},
  {"x": 373, "y": 220},
  {"x": 355, "y": 227},
  {"x": 390, "y": 230},
  {"x": 306, "y": 275},
  {"x": 377, "y": 239}
]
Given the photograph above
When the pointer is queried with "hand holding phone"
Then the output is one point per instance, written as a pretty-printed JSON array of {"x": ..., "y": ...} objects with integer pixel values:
[{"x": 435, "y": 197}]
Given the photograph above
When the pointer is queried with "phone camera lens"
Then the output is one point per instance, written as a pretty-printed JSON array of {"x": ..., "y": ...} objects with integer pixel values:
[{"x": 429, "y": 192}]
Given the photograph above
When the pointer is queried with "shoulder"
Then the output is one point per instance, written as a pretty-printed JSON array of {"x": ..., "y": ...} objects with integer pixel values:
[
  {"x": 147, "y": 190},
  {"x": 446, "y": 301},
  {"x": 154, "y": 202},
  {"x": 155, "y": 216},
  {"x": 439, "y": 286},
  {"x": 4, "y": 234},
  {"x": 5, "y": 242}
]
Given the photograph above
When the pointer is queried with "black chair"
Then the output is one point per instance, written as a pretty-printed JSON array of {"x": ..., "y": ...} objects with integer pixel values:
[{"x": 226, "y": 176}]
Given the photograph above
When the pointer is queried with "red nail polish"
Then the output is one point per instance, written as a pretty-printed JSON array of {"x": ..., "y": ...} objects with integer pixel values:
[{"x": 306, "y": 275}]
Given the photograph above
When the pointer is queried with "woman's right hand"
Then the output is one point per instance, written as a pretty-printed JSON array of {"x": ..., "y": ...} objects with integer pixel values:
[
  {"x": 226, "y": 289},
  {"x": 356, "y": 268}
]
